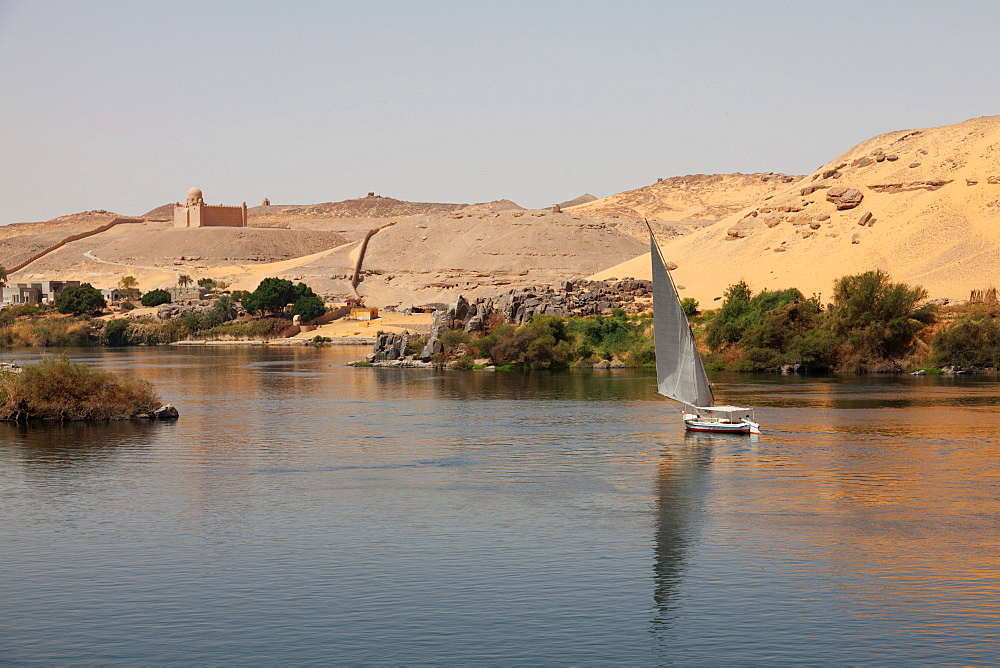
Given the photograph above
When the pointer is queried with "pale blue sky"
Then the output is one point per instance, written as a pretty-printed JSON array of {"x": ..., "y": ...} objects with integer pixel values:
[{"x": 125, "y": 105}]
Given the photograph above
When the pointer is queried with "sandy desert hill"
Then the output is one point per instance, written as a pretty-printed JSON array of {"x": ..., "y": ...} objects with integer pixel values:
[
  {"x": 426, "y": 257},
  {"x": 435, "y": 257},
  {"x": 688, "y": 198},
  {"x": 353, "y": 215},
  {"x": 923, "y": 205},
  {"x": 372, "y": 206},
  {"x": 156, "y": 253},
  {"x": 21, "y": 241},
  {"x": 432, "y": 258},
  {"x": 582, "y": 199}
]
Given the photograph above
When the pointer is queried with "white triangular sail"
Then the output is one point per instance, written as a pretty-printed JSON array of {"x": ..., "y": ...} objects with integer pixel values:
[{"x": 680, "y": 374}]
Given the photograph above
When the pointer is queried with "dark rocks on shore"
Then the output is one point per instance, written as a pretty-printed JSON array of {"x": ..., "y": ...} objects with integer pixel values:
[
  {"x": 164, "y": 412},
  {"x": 577, "y": 297},
  {"x": 389, "y": 347}
]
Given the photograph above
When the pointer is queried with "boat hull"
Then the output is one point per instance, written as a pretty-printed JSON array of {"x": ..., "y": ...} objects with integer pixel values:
[
  {"x": 744, "y": 425},
  {"x": 718, "y": 427}
]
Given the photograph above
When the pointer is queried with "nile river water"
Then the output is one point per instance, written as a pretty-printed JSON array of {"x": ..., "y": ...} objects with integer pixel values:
[{"x": 301, "y": 511}]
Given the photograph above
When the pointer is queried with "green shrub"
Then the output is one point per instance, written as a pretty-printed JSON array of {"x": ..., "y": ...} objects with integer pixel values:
[
  {"x": 485, "y": 346},
  {"x": 742, "y": 311},
  {"x": 539, "y": 344},
  {"x": 875, "y": 319},
  {"x": 274, "y": 294},
  {"x": 615, "y": 337},
  {"x": 453, "y": 338},
  {"x": 155, "y": 298},
  {"x": 150, "y": 332},
  {"x": 968, "y": 342},
  {"x": 308, "y": 306},
  {"x": 77, "y": 299},
  {"x": 11, "y": 313},
  {"x": 253, "y": 328},
  {"x": 114, "y": 332}
]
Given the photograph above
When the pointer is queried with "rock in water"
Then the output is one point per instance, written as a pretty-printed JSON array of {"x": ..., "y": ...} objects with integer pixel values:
[{"x": 166, "y": 412}]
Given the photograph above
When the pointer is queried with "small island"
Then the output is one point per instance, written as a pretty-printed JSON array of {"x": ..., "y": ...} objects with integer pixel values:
[{"x": 60, "y": 389}]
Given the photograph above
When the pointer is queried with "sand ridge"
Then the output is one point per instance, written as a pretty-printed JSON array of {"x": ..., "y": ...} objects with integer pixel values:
[
  {"x": 933, "y": 196},
  {"x": 688, "y": 198}
]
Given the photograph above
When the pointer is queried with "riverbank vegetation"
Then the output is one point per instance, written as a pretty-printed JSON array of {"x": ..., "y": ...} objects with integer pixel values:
[
  {"x": 873, "y": 325},
  {"x": 548, "y": 342},
  {"x": 59, "y": 389},
  {"x": 71, "y": 322}
]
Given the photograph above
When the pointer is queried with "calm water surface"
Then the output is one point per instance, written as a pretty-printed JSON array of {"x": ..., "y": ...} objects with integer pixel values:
[{"x": 301, "y": 511}]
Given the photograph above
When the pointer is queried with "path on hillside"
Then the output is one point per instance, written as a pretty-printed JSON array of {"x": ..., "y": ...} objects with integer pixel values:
[
  {"x": 247, "y": 277},
  {"x": 255, "y": 272},
  {"x": 358, "y": 255},
  {"x": 90, "y": 256},
  {"x": 74, "y": 237}
]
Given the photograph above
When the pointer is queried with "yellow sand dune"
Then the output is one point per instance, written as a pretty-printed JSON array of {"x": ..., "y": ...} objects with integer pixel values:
[{"x": 929, "y": 214}]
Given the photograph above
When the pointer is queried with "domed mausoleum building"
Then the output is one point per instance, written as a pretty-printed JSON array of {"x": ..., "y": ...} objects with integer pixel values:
[{"x": 195, "y": 213}]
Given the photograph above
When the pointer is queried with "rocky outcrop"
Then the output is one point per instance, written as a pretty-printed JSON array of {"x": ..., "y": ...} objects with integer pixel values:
[
  {"x": 174, "y": 309},
  {"x": 844, "y": 198},
  {"x": 912, "y": 185},
  {"x": 393, "y": 350},
  {"x": 518, "y": 306},
  {"x": 390, "y": 347}
]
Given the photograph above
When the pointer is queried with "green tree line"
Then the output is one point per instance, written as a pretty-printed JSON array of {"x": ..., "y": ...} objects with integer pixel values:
[
  {"x": 872, "y": 325},
  {"x": 270, "y": 307}
]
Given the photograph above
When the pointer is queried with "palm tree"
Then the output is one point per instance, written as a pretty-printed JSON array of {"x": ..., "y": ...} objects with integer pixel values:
[
  {"x": 183, "y": 280},
  {"x": 3, "y": 274},
  {"x": 225, "y": 307}
]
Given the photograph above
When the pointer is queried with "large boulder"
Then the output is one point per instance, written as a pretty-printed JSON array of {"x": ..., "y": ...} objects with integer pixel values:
[{"x": 844, "y": 198}]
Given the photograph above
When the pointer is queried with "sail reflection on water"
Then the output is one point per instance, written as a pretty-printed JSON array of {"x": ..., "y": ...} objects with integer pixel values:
[{"x": 681, "y": 486}]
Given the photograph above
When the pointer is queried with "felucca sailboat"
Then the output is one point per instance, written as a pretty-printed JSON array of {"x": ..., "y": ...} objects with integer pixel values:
[{"x": 680, "y": 374}]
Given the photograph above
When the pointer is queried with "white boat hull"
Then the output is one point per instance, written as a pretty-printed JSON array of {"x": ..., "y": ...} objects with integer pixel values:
[{"x": 720, "y": 426}]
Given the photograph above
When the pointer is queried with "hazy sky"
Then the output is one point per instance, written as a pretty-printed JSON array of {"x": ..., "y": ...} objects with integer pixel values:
[{"x": 125, "y": 105}]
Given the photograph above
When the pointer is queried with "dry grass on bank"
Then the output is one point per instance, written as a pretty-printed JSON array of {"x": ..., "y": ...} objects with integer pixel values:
[{"x": 59, "y": 389}]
